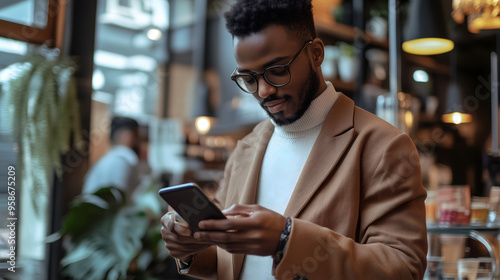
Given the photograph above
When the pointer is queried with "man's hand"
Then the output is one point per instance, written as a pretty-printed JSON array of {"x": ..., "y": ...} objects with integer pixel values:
[
  {"x": 249, "y": 229},
  {"x": 178, "y": 239}
]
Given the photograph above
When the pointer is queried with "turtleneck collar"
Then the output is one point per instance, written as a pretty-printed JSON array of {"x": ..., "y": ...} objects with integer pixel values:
[{"x": 314, "y": 116}]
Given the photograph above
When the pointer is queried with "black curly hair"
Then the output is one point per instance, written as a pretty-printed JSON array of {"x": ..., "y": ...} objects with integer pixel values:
[{"x": 251, "y": 16}]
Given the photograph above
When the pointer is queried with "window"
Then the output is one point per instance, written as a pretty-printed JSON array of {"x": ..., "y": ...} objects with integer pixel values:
[
  {"x": 24, "y": 26},
  {"x": 32, "y": 21}
]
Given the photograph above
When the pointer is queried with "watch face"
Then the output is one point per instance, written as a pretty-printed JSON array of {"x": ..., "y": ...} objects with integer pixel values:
[
  {"x": 184, "y": 264},
  {"x": 277, "y": 257}
]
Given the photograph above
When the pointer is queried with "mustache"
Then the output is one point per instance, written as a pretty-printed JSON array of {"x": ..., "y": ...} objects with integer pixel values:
[{"x": 273, "y": 98}]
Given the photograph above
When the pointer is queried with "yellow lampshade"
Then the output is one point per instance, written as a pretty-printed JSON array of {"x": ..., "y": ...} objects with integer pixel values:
[
  {"x": 426, "y": 32},
  {"x": 428, "y": 46}
]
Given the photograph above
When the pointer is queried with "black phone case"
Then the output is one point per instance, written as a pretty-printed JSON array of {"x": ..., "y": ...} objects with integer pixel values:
[{"x": 191, "y": 204}]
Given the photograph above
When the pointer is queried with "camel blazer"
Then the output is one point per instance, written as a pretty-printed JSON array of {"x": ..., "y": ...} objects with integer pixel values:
[{"x": 358, "y": 207}]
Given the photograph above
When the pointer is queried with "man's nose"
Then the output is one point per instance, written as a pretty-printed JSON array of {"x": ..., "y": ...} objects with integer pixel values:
[{"x": 265, "y": 89}]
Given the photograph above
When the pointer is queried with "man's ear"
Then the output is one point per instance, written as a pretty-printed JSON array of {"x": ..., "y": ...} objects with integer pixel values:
[{"x": 318, "y": 52}]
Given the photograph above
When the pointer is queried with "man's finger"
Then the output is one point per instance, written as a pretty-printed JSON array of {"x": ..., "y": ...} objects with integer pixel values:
[
  {"x": 181, "y": 229},
  {"x": 240, "y": 223},
  {"x": 219, "y": 237}
]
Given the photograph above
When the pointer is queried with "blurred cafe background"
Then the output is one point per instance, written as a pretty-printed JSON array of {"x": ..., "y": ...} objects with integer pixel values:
[{"x": 68, "y": 67}]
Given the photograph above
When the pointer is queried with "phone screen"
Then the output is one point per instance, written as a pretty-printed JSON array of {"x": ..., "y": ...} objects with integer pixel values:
[{"x": 191, "y": 204}]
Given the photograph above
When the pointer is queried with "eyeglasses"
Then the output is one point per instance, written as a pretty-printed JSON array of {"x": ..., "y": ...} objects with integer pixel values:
[{"x": 277, "y": 75}]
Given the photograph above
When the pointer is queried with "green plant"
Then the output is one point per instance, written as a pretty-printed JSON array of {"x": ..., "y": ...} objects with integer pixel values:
[
  {"x": 338, "y": 13},
  {"x": 40, "y": 98},
  {"x": 106, "y": 237},
  {"x": 346, "y": 50},
  {"x": 103, "y": 234},
  {"x": 380, "y": 9}
]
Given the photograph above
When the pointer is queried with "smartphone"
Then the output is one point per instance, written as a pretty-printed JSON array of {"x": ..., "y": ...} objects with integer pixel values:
[{"x": 191, "y": 204}]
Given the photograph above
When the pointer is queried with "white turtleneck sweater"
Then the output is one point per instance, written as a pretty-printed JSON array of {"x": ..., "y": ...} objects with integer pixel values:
[{"x": 285, "y": 157}]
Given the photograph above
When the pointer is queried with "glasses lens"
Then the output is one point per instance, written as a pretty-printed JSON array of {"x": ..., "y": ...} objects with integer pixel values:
[
  {"x": 246, "y": 83},
  {"x": 277, "y": 75}
]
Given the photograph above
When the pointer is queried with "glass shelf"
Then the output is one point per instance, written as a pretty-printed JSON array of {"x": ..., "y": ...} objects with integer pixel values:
[
  {"x": 462, "y": 229},
  {"x": 475, "y": 232}
]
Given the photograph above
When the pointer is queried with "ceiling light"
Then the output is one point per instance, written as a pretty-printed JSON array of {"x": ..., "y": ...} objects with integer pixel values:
[
  {"x": 420, "y": 76},
  {"x": 154, "y": 34},
  {"x": 98, "y": 79},
  {"x": 122, "y": 62},
  {"x": 456, "y": 118},
  {"x": 454, "y": 111},
  {"x": 425, "y": 32},
  {"x": 110, "y": 60},
  {"x": 428, "y": 46},
  {"x": 481, "y": 14},
  {"x": 203, "y": 124}
]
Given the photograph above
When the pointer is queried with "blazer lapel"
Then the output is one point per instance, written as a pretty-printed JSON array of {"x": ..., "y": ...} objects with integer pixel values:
[
  {"x": 336, "y": 135},
  {"x": 248, "y": 168},
  {"x": 248, "y": 165}
]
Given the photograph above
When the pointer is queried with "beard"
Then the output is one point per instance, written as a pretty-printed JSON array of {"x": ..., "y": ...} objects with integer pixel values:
[{"x": 308, "y": 90}]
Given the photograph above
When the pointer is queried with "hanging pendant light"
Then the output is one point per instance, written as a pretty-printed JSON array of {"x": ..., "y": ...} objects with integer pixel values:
[
  {"x": 481, "y": 14},
  {"x": 425, "y": 32},
  {"x": 454, "y": 112}
]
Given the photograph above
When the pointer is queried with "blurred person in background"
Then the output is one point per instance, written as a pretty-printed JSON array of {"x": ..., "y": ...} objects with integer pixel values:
[{"x": 120, "y": 165}]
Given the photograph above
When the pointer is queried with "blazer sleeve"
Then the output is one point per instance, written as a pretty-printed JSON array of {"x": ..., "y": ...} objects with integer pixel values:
[
  {"x": 391, "y": 241},
  {"x": 203, "y": 266}
]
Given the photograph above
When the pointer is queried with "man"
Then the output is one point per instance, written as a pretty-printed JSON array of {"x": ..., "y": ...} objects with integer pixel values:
[
  {"x": 118, "y": 167},
  {"x": 322, "y": 190}
]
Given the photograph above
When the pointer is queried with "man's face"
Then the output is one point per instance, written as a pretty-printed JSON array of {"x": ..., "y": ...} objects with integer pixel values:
[{"x": 273, "y": 46}]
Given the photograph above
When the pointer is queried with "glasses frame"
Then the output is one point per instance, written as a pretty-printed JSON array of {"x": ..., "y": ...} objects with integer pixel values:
[{"x": 256, "y": 76}]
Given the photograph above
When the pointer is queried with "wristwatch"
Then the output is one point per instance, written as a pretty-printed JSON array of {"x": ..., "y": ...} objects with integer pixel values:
[
  {"x": 185, "y": 264},
  {"x": 285, "y": 235}
]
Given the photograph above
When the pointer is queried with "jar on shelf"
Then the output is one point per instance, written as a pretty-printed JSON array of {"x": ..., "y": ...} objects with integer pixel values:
[
  {"x": 494, "y": 203},
  {"x": 454, "y": 205},
  {"x": 479, "y": 210},
  {"x": 430, "y": 207},
  {"x": 452, "y": 249}
]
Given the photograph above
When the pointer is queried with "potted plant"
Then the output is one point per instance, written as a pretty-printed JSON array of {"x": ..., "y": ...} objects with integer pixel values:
[
  {"x": 377, "y": 24},
  {"x": 105, "y": 237},
  {"x": 329, "y": 65},
  {"x": 347, "y": 63}
]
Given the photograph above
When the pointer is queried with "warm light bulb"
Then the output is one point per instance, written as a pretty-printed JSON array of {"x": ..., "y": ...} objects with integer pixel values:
[
  {"x": 428, "y": 46},
  {"x": 409, "y": 118},
  {"x": 203, "y": 124},
  {"x": 456, "y": 118}
]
